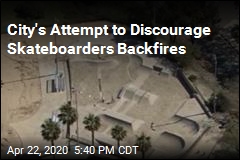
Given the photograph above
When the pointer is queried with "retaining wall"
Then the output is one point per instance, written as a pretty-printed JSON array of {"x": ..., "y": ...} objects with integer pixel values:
[{"x": 193, "y": 93}]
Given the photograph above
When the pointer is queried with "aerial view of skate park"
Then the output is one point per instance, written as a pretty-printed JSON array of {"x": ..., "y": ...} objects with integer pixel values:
[{"x": 121, "y": 106}]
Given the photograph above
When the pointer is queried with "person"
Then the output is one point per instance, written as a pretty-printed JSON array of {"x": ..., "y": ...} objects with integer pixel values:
[
  {"x": 113, "y": 100},
  {"x": 152, "y": 126}
]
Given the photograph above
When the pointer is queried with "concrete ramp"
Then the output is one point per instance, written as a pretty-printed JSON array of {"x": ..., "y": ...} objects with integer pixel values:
[
  {"x": 132, "y": 92},
  {"x": 114, "y": 118},
  {"x": 171, "y": 142},
  {"x": 189, "y": 125},
  {"x": 105, "y": 140},
  {"x": 81, "y": 140}
]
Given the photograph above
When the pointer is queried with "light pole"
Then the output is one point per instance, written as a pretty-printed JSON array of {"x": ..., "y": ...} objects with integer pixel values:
[
  {"x": 215, "y": 96},
  {"x": 215, "y": 60},
  {"x": 55, "y": 40},
  {"x": 56, "y": 58},
  {"x": 100, "y": 84},
  {"x": 75, "y": 91}
]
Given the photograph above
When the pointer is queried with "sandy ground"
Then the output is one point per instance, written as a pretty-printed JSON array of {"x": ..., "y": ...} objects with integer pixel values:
[{"x": 20, "y": 98}]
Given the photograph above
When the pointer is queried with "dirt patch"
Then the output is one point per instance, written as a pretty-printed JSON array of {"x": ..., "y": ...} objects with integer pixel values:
[
  {"x": 21, "y": 90},
  {"x": 24, "y": 112},
  {"x": 9, "y": 137}
]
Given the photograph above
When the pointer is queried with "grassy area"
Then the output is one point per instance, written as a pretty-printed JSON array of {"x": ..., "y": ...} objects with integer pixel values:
[{"x": 230, "y": 141}]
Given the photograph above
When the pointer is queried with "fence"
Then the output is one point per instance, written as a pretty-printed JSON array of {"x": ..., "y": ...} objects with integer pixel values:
[
  {"x": 185, "y": 82},
  {"x": 193, "y": 93}
]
